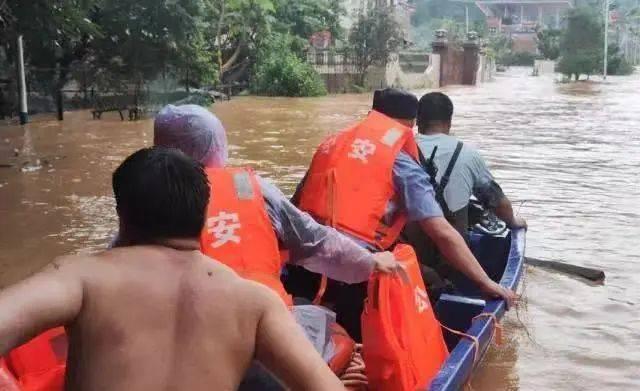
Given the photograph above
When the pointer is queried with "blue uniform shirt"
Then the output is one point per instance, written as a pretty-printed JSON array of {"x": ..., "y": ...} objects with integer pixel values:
[
  {"x": 316, "y": 247},
  {"x": 414, "y": 189},
  {"x": 415, "y": 194}
]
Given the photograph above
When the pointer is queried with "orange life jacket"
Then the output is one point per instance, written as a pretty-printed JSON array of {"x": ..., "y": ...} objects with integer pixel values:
[
  {"x": 39, "y": 365},
  {"x": 238, "y": 231},
  {"x": 403, "y": 347},
  {"x": 350, "y": 181},
  {"x": 246, "y": 242}
]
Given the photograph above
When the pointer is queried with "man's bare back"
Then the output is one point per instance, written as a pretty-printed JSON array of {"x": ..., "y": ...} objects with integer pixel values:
[
  {"x": 156, "y": 318},
  {"x": 196, "y": 309},
  {"x": 156, "y": 314}
]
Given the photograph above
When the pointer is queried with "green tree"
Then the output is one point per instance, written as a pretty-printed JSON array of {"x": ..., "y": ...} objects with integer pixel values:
[
  {"x": 617, "y": 64},
  {"x": 426, "y": 10},
  {"x": 194, "y": 62},
  {"x": 499, "y": 48},
  {"x": 302, "y": 18},
  {"x": 581, "y": 44},
  {"x": 373, "y": 39},
  {"x": 119, "y": 44},
  {"x": 145, "y": 38},
  {"x": 5, "y": 15},
  {"x": 57, "y": 35},
  {"x": 236, "y": 31},
  {"x": 243, "y": 27},
  {"x": 116, "y": 42},
  {"x": 548, "y": 42},
  {"x": 280, "y": 72}
]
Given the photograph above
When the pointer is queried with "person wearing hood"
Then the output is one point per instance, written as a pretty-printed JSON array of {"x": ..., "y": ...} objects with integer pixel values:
[{"x": 249, "y": 221}]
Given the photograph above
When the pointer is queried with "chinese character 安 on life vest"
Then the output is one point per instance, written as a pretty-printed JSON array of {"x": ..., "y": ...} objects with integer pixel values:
[
  {"x": 422, "y": 299},
  {"x": 361, "y": 149},
  {"x": 223, "y": 228}
]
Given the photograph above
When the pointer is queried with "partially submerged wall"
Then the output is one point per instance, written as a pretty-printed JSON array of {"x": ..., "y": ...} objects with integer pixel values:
[
  {"x": 409, "y": 70},
  {"x": 486, "y": 69},
  {"x": 447, "y": 65},
  {"x": 464, "y": 65},
  {"x": 544, "y": 67}
]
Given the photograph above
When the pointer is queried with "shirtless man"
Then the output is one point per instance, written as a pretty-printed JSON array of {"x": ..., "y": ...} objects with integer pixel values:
[{"x": 157, "y": 314}]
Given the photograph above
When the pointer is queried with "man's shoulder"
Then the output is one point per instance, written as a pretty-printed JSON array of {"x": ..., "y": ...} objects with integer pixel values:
[
  {"x": 249, "y": 295},
  {"x": 226, "y": 277},
  {"x": 74, "y": 262},
  {"x": 449, "y": 143},
  {"x": 471, "y": 153}
]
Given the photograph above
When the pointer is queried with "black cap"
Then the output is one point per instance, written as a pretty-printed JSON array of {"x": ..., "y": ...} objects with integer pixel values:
[{"x": 395, "y": 103}]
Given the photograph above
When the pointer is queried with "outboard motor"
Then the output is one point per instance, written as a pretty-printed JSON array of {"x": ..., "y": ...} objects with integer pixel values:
[{"x": 484, "y": 221}]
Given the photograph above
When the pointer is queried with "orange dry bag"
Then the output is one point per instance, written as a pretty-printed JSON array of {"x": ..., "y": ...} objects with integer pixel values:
[
  {"x": 39, "y": 364},
  {"x": 403, "y": 346},
  {"x": 343, "y": 347}
]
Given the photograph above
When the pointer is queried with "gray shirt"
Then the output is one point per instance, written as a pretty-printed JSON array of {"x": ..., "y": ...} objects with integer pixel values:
[{"x": 470, "y": 175}]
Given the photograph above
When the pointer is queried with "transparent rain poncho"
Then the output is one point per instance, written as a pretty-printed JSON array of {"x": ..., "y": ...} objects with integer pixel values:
[{"x": 195, "y": 131}]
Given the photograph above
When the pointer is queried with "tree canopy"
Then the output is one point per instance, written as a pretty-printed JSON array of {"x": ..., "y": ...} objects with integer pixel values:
[
  {"x": 548, "y": 42},
  {"x": 581, "y": 44},
  {"x": 121, "y": 43},
  {"x": 373, "y": 38}
]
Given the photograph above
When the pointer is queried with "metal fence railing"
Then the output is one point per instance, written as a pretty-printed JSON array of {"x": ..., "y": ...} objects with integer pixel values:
[{"x": 328, "y": 61}]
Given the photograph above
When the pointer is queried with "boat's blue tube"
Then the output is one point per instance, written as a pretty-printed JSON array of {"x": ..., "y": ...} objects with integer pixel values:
[{"x": 460, "y": 364}]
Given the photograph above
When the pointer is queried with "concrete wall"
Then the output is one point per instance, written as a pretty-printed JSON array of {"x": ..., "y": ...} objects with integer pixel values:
[
  {"x": 406, "y": 70},
  {"x": 464, "y": 65},
  {"x": 486, "y": 69},
  {"x": 544, "y": 67},
  {"x": 395, "y": 76},
  {"x": 338, "y": 83},
  {"x": 448, "y": 64}
]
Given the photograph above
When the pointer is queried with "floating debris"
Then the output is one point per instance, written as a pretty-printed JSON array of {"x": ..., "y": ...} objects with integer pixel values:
[{"x": 31, "y": 167}]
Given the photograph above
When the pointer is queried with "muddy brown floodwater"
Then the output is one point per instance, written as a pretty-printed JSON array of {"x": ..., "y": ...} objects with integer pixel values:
[{"x": 572, "y": 152}]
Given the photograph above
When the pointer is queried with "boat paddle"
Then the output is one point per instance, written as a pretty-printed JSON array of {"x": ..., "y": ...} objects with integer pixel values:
[{"x": 593, "y": 275}]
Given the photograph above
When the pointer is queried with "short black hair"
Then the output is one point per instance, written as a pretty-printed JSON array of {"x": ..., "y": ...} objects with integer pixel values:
[
  {"x": 395, "y": 103},
  {"x": 161, "y": 193},
  {"x": 434, "y": 106}
]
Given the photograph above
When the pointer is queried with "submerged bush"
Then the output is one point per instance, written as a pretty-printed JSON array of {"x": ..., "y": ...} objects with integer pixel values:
[
  {"x": 517, "y": 59},
  {"x": 279, "y": 71},
  {"x": 618, "y": 65},
  {"x": 196, "y": 98}
]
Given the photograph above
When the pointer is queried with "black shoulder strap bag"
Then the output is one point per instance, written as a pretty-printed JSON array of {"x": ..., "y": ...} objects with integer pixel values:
[{"x": 431, "y": 169}]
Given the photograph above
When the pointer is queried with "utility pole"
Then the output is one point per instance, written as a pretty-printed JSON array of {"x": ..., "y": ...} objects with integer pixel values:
[
  {"x": 606, "y": 38},
  {"x": 466, "y": 13},
  {"x": 24, "y": 116},
  {"x": 466, "y": 18},
  {"x": 59, "y": 86}
]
